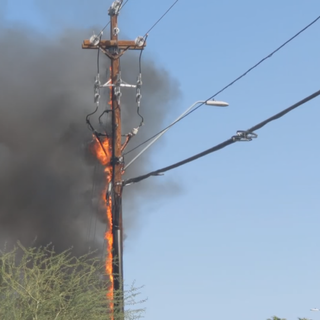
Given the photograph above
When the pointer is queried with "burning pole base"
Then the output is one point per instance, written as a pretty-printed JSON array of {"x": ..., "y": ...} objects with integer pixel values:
[{"x": 117, "y": 263}]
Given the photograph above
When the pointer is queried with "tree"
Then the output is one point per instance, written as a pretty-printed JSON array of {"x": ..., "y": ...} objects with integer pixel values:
[
  {"x": 276, "y": 318},
  {"x": 38, "y": 284}
]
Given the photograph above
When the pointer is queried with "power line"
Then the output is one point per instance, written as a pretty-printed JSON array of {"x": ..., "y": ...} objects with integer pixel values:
[
  {"x": 124, "y": 4},
  {"x": 230, "y": 84},
  {"x": 246, "y": 135},
  {"x": 161, "y": 17},
  {"x": 284, "y": 112}
]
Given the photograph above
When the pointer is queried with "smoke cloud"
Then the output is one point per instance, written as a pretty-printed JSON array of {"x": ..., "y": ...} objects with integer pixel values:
[{"x": 49, "y": 182}]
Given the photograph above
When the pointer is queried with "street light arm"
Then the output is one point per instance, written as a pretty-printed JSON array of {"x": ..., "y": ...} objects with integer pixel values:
[{"x": 162, "y": 133}]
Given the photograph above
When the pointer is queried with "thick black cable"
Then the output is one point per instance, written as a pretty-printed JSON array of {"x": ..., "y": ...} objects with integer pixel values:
[
  {"x": 88, "y": 119},
  {"x": 141, "y": 117},
  {"x": 224, "y": 144},
  {"x": 141, "y": 51},
  {"x": 105, "y": 111},
  {"x": 282, "y": 113},
  {"x": 161, "y": 18},
  {"x": 181, "y": 163},
  {"x": 227, "y": 86}
]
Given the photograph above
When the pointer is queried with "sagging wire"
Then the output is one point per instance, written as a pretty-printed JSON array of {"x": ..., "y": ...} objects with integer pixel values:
[
  {"x": 88, "y": 119},
  {"x": 228, "y": 85},
  {"x": 139, "y": 83},
  {"x": 241, "y": 135},
  {"x": 105, "y": 111}
]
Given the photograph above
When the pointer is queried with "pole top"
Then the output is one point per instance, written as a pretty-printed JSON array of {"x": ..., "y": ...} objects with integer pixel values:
[{"x": 115, "y": 8}]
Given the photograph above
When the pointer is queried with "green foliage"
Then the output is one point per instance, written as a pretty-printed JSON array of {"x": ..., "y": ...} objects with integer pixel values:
[
  {"x": 276, "y": 318},
  {"x": 38, "y": 284}
]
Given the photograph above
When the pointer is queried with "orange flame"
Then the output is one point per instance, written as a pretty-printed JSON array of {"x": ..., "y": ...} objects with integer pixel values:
[{"x": 103, "y": 152}]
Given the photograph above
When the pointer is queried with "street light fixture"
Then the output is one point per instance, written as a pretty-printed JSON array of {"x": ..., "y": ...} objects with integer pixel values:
[
  {"x": 207, "y": 102},
  {"x": 216, "y": 103},
  {"x": 314, "y": 309}
]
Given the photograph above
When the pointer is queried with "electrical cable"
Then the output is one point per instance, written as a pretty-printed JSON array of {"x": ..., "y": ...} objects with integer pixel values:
[
  {"x": 241, "y": 136},
  {"x": 161, "y": 18},
  {"x": 88, "y": 119},
  {"x": 284, "y": 112},
  {"x": 142, "y": 119},
  {"x": 105, "y": 111},
  {"x": 140, "y": 56},
  {"x": 104, "y": 28},
  {"x": 140, "y": 82},
  {"x": 124, "y": 4},
  {"x": 229, "y": 85}
]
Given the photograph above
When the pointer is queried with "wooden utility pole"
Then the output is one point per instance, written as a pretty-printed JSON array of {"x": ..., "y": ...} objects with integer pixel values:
[{"x": 114, "y": 49}]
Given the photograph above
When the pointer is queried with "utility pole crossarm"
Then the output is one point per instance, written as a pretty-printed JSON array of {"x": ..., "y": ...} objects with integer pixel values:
[{"x": 120, "y": 44}]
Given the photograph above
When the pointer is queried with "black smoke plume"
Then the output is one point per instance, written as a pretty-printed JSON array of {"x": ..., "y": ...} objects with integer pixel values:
[{"x": 49, "y": 183}]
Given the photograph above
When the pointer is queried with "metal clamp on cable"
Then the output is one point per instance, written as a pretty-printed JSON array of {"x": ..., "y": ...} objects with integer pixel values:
[
  {"x": 97, "y": 90},
  {"x": 138, "y": 90},
  {"x": 244, "y": 136}
]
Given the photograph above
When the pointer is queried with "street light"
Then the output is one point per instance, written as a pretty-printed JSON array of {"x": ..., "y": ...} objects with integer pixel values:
[
  {"x": 216, "y": 103},
  {"x": 314, "y": 309},
  {"x": 207, "y": 102}
]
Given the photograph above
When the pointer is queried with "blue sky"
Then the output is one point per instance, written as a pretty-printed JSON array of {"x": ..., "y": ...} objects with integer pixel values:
[{"x": 241, "y": 241}]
